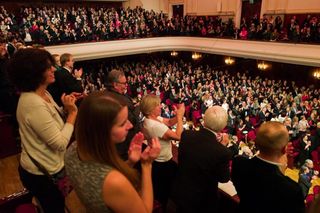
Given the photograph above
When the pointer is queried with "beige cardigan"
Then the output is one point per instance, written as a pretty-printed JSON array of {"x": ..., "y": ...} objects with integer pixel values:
[{"x": 43, "y": 133}]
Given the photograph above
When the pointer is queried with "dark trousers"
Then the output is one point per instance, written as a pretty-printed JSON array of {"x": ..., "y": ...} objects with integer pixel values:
[
  {"x": 163, "y": 175},
  {"x": 48, "y": 194}
]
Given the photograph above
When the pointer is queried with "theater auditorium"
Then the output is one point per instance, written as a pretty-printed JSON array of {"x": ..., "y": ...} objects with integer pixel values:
[{"x": 159, "y": 106}]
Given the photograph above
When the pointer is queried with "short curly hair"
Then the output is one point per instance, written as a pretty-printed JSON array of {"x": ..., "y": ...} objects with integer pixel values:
[{"x": 27, "y": 66}]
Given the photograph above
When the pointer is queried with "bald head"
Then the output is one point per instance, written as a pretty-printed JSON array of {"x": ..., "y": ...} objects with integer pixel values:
[
  {"x": 272, "y": 138},
  {"x": 215, "y": 118}
]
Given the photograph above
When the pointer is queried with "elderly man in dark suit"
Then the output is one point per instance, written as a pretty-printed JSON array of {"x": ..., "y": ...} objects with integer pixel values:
[
  {"x": 67, "y": 80},
  {"x": 260, "y": 182},
  {"x": 203, "y": 162}
]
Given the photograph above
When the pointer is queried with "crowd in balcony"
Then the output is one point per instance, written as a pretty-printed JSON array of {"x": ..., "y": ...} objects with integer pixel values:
[
  {"x": 52, "y": 26},
  {"x": 248, "y": 100}
]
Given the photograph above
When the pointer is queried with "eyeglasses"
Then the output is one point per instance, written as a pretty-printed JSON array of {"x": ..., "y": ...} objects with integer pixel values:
[{"x": 124, "y": 83}]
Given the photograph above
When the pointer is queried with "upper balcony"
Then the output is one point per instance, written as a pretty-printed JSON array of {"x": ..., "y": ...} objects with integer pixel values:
[{"x": 302, "y": 54}]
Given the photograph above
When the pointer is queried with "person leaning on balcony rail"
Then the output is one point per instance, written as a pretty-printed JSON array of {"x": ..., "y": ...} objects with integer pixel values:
[{"x": 260, "y": 182}]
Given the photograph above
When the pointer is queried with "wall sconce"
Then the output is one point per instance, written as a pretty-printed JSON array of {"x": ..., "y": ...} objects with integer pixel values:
[
  {"x": 229, "y": 61},
  {"x": 174, "y": 53},
  {"x": 196, "y": 56},
  {"x": 316, "y": 74},
  {"x": 262, "y": 66}
]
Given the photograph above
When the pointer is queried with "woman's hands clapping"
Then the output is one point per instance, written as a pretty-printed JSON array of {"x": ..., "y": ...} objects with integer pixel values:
[
  {"x": 135, "y": 152},
  {"x": 151, "y": 152},
  {"x": 69, "y": 103}
]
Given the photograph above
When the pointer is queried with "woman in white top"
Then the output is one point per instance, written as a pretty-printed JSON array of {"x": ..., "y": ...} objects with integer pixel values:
[
  {"x": 164, "y": 168},
  {"x": 44, "y": 133}
]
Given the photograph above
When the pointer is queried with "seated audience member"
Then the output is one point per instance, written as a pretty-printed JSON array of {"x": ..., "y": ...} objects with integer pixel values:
[
  {"x": 102, "y": 180},
  {"x": 312, "y": 172},
  {"x": 44, "y": 133},
  {"x": 67, "y": 80},
  {"x": 203, "y": 162},
  {"x": 305, "y": 149},
  {"x": 164, "y": 168},
  {"x": 261, "y": 185},
  {"x": 304, "y": 180}
]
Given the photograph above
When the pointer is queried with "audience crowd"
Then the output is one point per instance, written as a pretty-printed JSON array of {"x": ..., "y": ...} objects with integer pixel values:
[
  {"x": 249, "y": 100},
  {"x": 52, "y": 26},
  {"x": 181, "y": 91}
]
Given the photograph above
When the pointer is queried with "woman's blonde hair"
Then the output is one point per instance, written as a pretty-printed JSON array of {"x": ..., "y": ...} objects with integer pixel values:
[{"x": 149, "y": 103}]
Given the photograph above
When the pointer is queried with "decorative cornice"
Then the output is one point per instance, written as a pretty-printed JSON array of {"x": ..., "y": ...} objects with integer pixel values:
[{"x": 302, "y": 54}]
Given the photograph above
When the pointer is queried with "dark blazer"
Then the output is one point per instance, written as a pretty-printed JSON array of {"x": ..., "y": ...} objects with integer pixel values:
[
  {"x": 203, "y": 162},
  {"x": 64, "y": 83},
  {"x": 262, "y": 188}
]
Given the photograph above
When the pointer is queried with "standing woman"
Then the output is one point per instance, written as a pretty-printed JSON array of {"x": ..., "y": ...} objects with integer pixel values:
[
  {"x": 102, "y": 180},
  {"x": 44, "y": 133},
  {"x": 164, "y": 168}
]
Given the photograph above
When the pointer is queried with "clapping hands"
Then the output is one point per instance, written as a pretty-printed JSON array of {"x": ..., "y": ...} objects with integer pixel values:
[
  {"x": 68, "y": 102},
  {"x": 135, "y": 148},
  {"x": 135, "y": 152},
  {"x": 180, "y": 110},
  {"x": 151, "y": 152},
  {"x": 78, "y": 73}
]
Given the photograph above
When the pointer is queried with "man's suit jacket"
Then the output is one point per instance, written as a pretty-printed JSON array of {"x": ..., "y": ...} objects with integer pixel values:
[
  {"x": 262, "y": 188},
  {"x": 203, "y": 162},
  {"x": 64, "y": 83}
]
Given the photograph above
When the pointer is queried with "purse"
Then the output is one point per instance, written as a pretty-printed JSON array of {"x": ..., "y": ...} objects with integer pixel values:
[{"x": 60, "y": 179}]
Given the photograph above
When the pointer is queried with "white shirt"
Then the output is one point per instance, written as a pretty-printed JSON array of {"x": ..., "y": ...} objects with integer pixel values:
[{"x": 158, "y": 129}]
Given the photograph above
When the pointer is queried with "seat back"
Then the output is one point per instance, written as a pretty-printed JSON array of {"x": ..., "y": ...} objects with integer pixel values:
[{"x": 12, "y": 202}]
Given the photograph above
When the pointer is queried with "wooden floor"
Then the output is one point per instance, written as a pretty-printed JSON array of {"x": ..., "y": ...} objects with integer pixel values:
[{"x": 10, "y": 182}]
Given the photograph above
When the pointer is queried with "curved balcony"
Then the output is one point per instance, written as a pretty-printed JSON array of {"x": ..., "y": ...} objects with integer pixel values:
[{"x": 301, "y": 54}]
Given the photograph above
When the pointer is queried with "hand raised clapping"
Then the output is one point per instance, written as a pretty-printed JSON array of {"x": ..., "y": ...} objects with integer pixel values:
[
  {"x": 180, "y": 110},
  {"x": 151, "y": 152},
  {"x": 68, "y": 102},
  {"x": 78, "y": 73},
  {"x": 134, "y": 152}
]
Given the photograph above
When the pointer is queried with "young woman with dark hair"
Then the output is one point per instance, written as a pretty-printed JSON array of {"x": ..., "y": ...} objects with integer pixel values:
[{"x": 102, "y": 180}]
